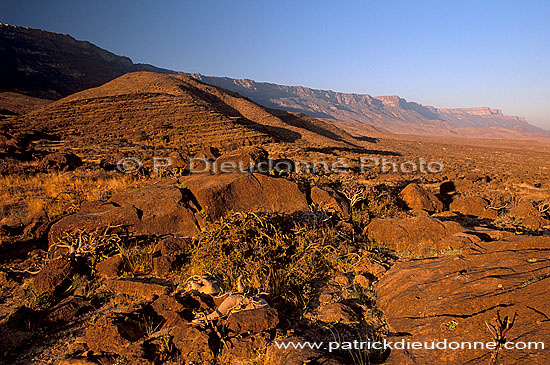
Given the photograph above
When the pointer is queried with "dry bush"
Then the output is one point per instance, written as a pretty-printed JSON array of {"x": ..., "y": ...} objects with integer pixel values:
[{"x": 280, "y": 255}]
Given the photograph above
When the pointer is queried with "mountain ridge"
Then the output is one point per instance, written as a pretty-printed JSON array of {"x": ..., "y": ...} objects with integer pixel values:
[
  {"x": 392, "y": 113},
  {"x": 52, "y": 65}
]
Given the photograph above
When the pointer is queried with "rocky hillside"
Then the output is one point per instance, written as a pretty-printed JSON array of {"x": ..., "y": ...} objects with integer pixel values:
[
  {"x": 362, "y": 112},
  {"x": 52, "y": 65},
  {"x": 146, "y": 110}
]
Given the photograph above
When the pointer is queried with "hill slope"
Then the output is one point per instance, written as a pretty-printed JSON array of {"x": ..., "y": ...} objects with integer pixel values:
[{"x": 154, "y": 110}]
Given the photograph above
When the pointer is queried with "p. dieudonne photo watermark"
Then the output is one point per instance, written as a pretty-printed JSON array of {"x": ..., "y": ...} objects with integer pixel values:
[{"x": 202, "y": 165}]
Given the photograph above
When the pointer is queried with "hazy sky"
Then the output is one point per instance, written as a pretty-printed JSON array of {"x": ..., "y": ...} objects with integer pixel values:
[{"x": 441, "y": 53}]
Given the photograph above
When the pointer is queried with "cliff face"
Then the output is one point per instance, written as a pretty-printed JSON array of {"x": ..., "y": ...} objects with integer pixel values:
[
  {"x": 52, "y": 65},
  {"x": 391, "y": 113}
]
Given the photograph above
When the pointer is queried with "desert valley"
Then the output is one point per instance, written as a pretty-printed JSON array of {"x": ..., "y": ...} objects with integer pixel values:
[{"x": 131, "y": 234}]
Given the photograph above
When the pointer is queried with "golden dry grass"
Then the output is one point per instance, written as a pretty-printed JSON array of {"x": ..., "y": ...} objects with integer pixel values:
[{"x": 27, "y": 196}]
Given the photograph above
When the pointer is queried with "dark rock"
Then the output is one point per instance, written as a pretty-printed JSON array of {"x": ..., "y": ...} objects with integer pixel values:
[
  {"x": 53, "y": 276},
  {"x": 68, "y": 309},
  {"x": 535, "y": 223},
  {"x": 165, "y": 303},
  {"x": 524, "y": 210},
  {"x": 170, "y": 246},
  {"x": 60, "y": 161},
  {"x": 247, "y": 350},
  {"x": 111, "y": 334},
  {"x": 193, "y": 344},
  {"x": 252, "y": 321},
  {"x": 337, "y": 313},
  {"x": 111, "y": 267}
]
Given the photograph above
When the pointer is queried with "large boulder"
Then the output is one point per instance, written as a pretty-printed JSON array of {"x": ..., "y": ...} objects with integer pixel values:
[
  {"x": 472, "y": 206},
  {"x": 451, "y": 297},
  {"x": 524, "y": 209},
  {"x": 416, "y": 235},
  {"x": 252, "y": 321},
  {"x": 416, "y": 197},
  {"x": 220, "y": 194},
  {"x": 183, "y": 209},
  {"x": 155, "y": 209},
  {"x": 53, "y": 276}
]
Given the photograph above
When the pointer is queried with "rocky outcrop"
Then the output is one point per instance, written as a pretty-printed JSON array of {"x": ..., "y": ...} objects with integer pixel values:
[
  {"x": 451, "y": 297},
  {"x": 418, "y": 235},
  {"x": 184, "y": 208},
  {"x": 244, "y": 192},
  {"x": 472, "y": 206}
]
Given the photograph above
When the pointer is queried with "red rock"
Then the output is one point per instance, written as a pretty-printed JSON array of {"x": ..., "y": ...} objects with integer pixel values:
[
  {"x": 416, "y": 235},
  {"x": 329, "y": 200},
  {"x": 474, "y": 206},
  {"x": 418, "y": 198},
  {"x": 111, "y": 267},
  {"x": 53, "y": 276},
  {"x": 252, "y": 321},
  {"x": 451, "y": 297}
]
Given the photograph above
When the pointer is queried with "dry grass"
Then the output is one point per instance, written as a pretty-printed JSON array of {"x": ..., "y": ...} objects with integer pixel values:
[{"x": 54, "y": 194}]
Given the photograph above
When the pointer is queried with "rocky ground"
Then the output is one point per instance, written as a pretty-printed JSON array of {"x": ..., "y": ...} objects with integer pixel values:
[
  {"x": 169, "y": 266},
  {"x": 219, "y": 268}
]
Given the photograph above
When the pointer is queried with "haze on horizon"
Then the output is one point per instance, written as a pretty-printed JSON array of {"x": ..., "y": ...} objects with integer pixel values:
[{"x": 445, "y": 54}]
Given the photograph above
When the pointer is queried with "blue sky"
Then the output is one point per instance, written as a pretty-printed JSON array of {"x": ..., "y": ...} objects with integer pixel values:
[{"x": 442, "y": 53}]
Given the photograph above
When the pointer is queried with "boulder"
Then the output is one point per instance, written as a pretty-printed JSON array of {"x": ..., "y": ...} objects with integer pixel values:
[
  {"x": 337, "y": 313},
  {"x": 473, "y": 206},
  {"x": 170, "y": 246},
  {"x": 223, "y": 193},
  {"x": 165, "y": 303},
  {"x": 68, "y": 309},
  {"x": 182, "y": 209},
  {"x": 329, "y": 200},
  {"x": 524, "y": 209},
  {"x": 247, "y": 350},
  {"x": 535, "y": 223},
  {"x": 53, "y": 276},
  {"x": 416, "y": 235},
  {"x": 418, "y": 198},
  {"x": 155, "y": 209},
  {"x": 193, "y": 345},
  {"x": 111, "y": 267},
  {"x": 252, "y": 321},
  {"x": 60, "y": 161},
  {"x": 111, "y": 334},
  {"x": 451, "y": 297}
]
